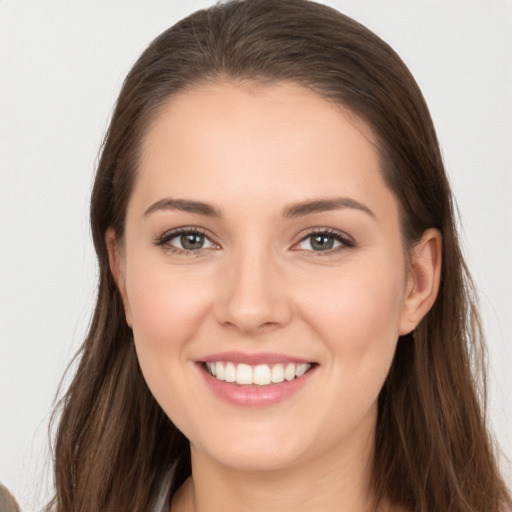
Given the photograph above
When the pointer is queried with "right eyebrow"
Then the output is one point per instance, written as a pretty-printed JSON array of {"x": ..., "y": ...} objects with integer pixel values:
[{"x": 184, "y": 205}]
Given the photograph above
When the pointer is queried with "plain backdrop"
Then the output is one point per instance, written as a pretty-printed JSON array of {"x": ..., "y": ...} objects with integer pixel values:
[{"x": 61, "y": 67}]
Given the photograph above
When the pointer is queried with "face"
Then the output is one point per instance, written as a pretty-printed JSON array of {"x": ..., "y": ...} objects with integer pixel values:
[{"x": 263, "y": 274}]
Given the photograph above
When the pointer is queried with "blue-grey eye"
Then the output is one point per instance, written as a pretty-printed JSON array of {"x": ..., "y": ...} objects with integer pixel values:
[
  {"x": 192, "y": 241},
  {"x": 321, "y": 242},
  {"x": 188, "y": 241}
]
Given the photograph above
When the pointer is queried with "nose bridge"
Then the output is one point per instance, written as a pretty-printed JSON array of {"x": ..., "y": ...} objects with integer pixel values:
[{"x": 254, "y": 296}]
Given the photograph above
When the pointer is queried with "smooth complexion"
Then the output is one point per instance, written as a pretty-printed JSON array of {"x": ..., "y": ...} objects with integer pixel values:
[{"x": 260, "y": 231}]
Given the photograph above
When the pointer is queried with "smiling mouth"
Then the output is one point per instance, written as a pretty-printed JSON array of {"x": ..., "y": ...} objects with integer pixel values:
[{"x": 259, "y": 375}]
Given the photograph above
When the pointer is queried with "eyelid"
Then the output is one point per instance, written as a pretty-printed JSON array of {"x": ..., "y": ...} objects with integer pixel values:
[
  {"x": 164, "y": 239},
  {"x": 345, "y": 240}
]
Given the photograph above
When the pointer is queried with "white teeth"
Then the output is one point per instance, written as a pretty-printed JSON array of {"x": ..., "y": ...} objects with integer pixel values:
[
  {"x": 219, "y": 371},
  {"x": 301, "y": 369},
  {"x": 277, "y": 374},
  {"x": 289, "y": 372},
  {"x": 261, "y": 375},
  {"x": 230, "y": 372},
  {"x": 244, "y": 374}
]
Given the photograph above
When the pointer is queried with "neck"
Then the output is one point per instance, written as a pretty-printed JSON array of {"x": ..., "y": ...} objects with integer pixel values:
[{"x": 336, "y": 481}]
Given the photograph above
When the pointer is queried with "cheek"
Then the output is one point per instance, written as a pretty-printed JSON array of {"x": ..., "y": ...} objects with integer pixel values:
[
  {"x": 167, "y": 309},
  {"x": 357, "y": 316},
  {"x": 164, "y": 305}
]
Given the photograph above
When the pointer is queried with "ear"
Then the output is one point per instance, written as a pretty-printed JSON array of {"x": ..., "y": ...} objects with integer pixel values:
[
  {"x": 116, "y": 261},
  {"x": 423, "y": 282}
]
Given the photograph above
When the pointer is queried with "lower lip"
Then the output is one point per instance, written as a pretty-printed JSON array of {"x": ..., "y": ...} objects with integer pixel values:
[{"x": 254, "y": 395}]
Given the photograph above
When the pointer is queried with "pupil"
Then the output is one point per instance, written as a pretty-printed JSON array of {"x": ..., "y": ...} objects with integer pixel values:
[
  {"x": 192, "y": 241},
  {"x": 322, "y": 242}
]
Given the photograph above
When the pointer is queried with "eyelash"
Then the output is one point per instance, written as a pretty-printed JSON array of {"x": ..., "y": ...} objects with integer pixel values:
[
  {"x": 344, "y": 241},
  {"x": 338, "y": 236},
  {"x": 165, "y": 238}
]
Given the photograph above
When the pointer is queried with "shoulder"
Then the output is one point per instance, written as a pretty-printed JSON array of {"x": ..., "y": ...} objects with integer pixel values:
[{"x": 7, "y": 501}]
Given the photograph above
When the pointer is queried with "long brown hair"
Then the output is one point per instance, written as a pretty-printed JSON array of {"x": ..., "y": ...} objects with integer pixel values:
[{"x": 114, "y": 445}]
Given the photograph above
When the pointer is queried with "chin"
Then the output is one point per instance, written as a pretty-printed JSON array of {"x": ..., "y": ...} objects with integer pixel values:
[
  {"x": 254, "y": 449},
  {"x": 255, "y": 459}
]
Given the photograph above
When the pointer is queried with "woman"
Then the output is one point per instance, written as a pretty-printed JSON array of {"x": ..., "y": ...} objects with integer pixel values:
[{"x": 284, "y": 318}]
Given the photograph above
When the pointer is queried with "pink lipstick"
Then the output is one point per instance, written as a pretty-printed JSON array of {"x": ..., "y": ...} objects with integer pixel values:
[{"x": 255, "y": 379}]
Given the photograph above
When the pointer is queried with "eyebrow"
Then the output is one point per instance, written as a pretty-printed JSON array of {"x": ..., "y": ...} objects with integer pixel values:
[
  {"x": 184, "y": 205},
  {"x": 324, "y": 205},
  {"x": 294, "y": 210}
]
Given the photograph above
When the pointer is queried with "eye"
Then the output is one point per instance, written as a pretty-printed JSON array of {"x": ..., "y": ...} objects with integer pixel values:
[
  {"x": 185, "y": 240},
  {"x": 324, "y": 241}
]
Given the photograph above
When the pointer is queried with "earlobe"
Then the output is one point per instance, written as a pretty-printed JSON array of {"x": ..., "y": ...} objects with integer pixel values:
[
  {"x": 424, "y": 280},
  {"x": 116, "y": 268}
]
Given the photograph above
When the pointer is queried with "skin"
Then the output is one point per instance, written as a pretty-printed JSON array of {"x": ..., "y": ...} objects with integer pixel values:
[{"x": 258, "y": 285}]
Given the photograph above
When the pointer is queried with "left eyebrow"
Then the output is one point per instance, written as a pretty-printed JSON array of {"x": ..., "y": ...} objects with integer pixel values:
[{"x": 324, "y": 205}]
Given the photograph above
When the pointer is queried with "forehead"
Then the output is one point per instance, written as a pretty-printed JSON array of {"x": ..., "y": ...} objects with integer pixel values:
[
  {"x": 254, "y": 105},
  {"x": 236, "y": 139}
]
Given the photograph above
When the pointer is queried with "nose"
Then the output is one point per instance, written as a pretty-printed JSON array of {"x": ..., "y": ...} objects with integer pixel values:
[{"x": 253, "y": 297}]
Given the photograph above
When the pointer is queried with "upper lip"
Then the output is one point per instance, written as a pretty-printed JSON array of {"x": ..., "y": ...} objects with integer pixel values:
[{"x": 252, "y": 358}]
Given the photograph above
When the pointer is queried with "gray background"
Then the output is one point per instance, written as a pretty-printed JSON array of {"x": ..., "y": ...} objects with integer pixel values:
[{"x": 61, "y": 67}]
